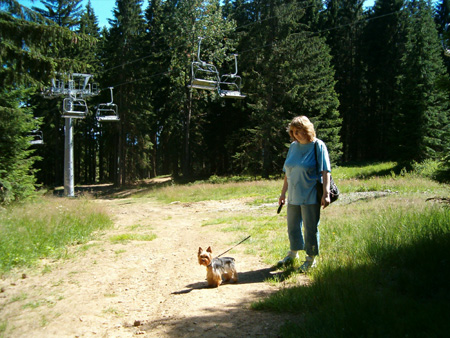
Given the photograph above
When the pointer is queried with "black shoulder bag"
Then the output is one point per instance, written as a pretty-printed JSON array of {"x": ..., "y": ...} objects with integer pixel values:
[{"x": 334, "y": 191}]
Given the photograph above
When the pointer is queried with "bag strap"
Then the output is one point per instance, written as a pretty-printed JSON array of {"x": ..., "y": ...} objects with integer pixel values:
[{"x": 315, "y": 155}]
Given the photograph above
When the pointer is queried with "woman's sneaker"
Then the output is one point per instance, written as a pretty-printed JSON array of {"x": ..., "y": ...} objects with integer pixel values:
[
  {"x": 308, "y": 264},
  {"x": 288, "y": 260}
]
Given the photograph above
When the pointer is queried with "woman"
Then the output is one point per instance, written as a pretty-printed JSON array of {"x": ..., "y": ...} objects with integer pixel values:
[{"x": 301, "y": 175}]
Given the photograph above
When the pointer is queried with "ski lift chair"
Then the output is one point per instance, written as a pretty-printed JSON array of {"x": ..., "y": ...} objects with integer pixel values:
[
  {"x": 74, "y": 108},
  {"x": 38, "y": 137},
  {"x": 108, "y": 111},
  {"x": 230, "y": 84},
  {"x": 204, "y": 75}
]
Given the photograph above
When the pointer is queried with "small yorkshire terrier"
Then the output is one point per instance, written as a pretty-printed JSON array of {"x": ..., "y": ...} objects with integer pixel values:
[{"x": 217, "y": 268}]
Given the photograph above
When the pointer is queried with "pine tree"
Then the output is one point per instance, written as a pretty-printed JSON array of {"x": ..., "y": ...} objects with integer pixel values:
[
  {"x": 162, "y": 126},
  {"x": 183, "y": 114},
  {"x": 289, "y": 74},
  {"x": 28, "y": 42},
  {"x": 87, "y": 131},
  {"x": 343, "y": 23},
  {"x": 383, "y": 43},
  {"x": 65, "y": 13},
  {"x": 17, "y": 179},
  {"x": 423, "y": 116},
  {"x": 122, "y": 44},
  {"x": 442, "y": 18}
]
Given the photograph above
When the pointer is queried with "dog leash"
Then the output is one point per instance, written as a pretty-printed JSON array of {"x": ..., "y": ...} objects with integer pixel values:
[{"x": 234, "y": 246}]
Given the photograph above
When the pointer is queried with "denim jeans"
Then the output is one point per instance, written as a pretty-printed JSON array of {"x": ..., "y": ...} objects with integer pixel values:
[{"x": 306, "y": 218}]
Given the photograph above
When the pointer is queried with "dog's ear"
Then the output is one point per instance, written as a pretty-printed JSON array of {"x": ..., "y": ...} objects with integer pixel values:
[
  {"x": 209, "y": 249},
  {"x": 200, "y": 250}
]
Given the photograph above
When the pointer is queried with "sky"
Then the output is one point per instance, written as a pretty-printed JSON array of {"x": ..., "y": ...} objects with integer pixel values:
[{"x": 103, "y": 9}]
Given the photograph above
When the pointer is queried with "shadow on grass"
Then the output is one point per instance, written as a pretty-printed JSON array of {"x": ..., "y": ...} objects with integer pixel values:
[
  {"x": 397, "y": 169},
  {"x": 404, "y": 293}
]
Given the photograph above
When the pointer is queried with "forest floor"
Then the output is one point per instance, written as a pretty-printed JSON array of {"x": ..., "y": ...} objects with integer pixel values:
[{"x": 145, "y": 288}]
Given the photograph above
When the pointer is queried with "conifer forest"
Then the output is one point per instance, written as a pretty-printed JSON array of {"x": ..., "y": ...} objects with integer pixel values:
[{"x": 374, "y": 81}]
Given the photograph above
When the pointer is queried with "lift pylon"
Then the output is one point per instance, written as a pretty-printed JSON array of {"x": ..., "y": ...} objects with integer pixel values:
[{"x": 75, "y": 88}]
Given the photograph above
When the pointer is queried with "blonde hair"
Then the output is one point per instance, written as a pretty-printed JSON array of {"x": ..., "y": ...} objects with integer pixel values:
[{"x": 305, "y": 126}]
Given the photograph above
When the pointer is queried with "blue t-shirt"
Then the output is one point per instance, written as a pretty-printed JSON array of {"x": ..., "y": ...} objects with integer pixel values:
[{"x": 302, "y": 173}]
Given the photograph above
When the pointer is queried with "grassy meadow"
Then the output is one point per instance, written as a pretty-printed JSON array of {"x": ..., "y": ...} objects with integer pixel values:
[
  {"x": 384, "y": 266},
  {"x": 45, "y": 228}
]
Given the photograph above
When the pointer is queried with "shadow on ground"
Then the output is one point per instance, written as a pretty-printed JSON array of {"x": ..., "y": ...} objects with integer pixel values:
[
  {"x": 249, "y": 277},
  {"x": 234, "y": 320},
  {"x": 110, "y": 191}
]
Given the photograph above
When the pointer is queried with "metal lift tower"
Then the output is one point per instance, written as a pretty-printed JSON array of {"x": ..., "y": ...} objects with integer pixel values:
[{"x": 75, "y": 88}]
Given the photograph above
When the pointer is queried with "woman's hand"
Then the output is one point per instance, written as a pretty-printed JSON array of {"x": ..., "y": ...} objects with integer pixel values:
[
  {"x": 282, "y": 198},
  {"x": 325, "y": 200}
]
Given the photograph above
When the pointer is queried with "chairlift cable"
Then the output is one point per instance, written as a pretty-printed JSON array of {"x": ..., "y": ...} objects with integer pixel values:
[
  {"x": 256, "y": 48},
  {"x": 324, "y": 30},
  {"x": 141, "y": 79},
  {"x": 184, "y": 43}
]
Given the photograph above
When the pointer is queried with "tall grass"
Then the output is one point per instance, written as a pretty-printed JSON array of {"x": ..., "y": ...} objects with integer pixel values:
[
  {"x": 384, "y": 272},
  {"x": 384, "y": 264},
  {"x": 201, "y": 191},
  {"x": 365, "y": 171},
  {"x": 381, "y": 176},
  {"x": 45, "y": 228},
  {"x": 389, "y": 176}
]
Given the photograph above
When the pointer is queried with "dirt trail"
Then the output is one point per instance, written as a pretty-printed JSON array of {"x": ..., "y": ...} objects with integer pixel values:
[{"x": 144, "y": 288}]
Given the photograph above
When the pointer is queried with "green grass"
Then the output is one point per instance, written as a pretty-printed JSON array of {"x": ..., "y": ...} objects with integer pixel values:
[
  {"x": 384, "y": 266},
  {"x": 266, "y": 228},
  {"x": 382, "y": 274},
  {"x": 125, "y": 238},
  {"x": 349, "y": 178},
  {"x": 113, "y": 311},
  {"x": 201, "y": 191},
  {"x": 3, "y": 326},
  {"x": 45, "y": 229},
  {"x": 388, "y": 176},
  {"x": 366, "y": 171},
  {"x": 18, "y": 298},
  {"x": 384, "y": 263}
]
